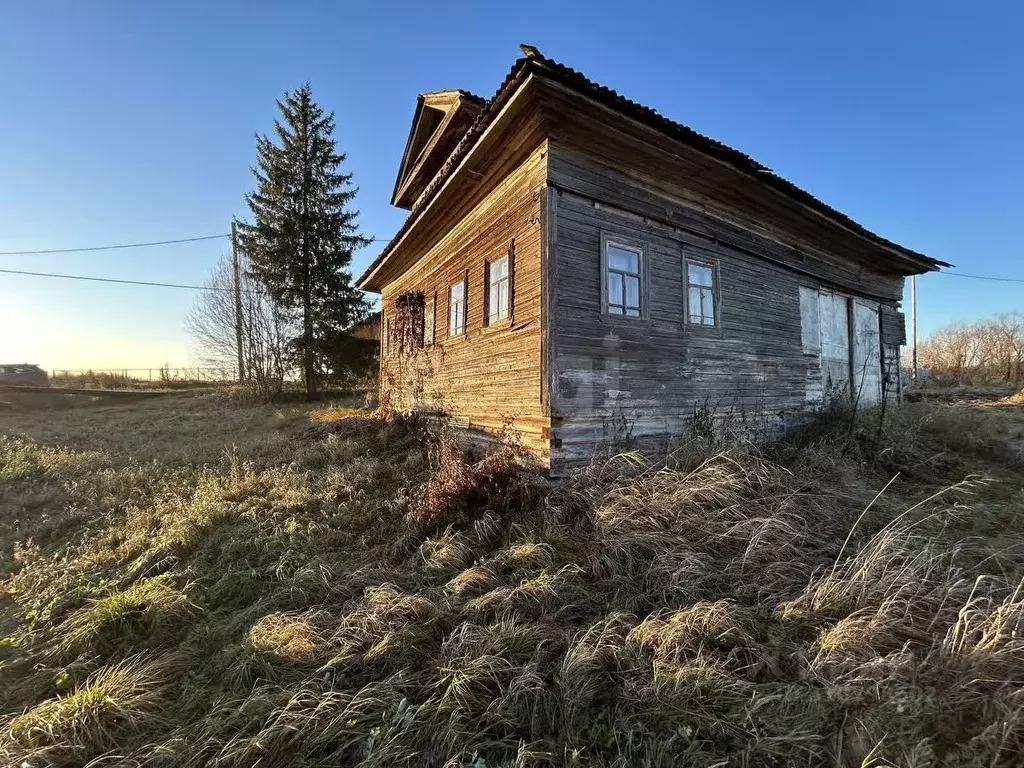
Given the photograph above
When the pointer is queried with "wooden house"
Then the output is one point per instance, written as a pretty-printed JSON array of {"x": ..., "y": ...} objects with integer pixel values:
[{"x": 582, "y": 270}]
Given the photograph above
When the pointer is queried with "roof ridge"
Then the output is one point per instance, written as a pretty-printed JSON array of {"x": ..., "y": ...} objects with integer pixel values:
[
  {"x": 461, "y": 91},
  {"x": 534, "y": 59}
]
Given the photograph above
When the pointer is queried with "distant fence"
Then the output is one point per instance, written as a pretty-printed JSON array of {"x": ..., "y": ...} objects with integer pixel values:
[{"x": 110, "y": 378}]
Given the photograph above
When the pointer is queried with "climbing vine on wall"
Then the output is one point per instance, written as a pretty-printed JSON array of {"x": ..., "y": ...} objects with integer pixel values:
[
  {"x": 407, "y": 327},
  {"x": 407, "y": 367}
]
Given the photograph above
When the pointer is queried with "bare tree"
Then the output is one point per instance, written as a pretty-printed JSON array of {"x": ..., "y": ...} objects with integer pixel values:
[
  {"x": 266, "y": 329},
  {"x": 986, "y": 351}
]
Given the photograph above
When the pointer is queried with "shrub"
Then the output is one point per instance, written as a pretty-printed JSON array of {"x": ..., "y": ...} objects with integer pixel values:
[{"x": 459, "y": 491}]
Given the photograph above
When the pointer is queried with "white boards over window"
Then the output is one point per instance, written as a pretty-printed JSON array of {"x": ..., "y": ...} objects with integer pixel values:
[{"x": 851, "y": 363}]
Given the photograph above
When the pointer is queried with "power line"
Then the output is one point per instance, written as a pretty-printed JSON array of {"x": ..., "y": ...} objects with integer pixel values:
[
  {"x": 986, "y": 277},
  {"x": 127, "y": 245},
  {"x": 116, "y": 280},
  {"x": 155, "y": 284},
  {"x": 112, "y": 247}
]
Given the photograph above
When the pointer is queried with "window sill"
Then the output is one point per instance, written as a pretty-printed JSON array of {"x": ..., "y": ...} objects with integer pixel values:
[
  {"x": 624, "y": 319},
  {"x": 462, "y": 337},
  {"x": 497, "y": 325}
]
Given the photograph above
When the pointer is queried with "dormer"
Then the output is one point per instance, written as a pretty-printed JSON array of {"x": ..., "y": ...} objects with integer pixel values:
[{"x": 440, "y": 120}]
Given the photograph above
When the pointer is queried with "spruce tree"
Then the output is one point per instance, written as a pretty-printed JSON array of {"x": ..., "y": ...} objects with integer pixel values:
[{"x": 303, "y": 233}]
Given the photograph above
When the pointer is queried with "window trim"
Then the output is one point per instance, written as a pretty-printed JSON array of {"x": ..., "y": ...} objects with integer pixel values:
[
  {"x": 464, "y": 282},
  {"x": 629, "y": 244},
  {"x": 716, "y": 290},
  {"x": 490, "y": 320}
]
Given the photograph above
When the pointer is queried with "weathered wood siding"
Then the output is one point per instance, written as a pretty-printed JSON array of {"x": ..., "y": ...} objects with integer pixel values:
[
  {"x": 892, "y": 384},
  {"x": 490, "y": 376},
  {"x": 614, "y": 378},
  {"x": 894, "y": 326}
]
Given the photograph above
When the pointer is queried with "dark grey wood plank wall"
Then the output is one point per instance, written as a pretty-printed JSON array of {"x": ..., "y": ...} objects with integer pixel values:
[{"x": 617, "y": 377}]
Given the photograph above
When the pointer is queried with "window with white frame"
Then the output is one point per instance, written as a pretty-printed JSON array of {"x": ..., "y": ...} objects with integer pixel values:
[
  {"x": 457, "y": 308},
  {"x": 623, "y": 271},
  {"x": 499, "y": 296},
  {"x": 428, "y": 320},
  {"x": 700, "y": 293}
]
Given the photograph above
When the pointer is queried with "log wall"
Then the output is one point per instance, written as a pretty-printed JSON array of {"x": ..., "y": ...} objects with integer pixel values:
[
  {"x": 490, "y": 377},
  {"x": 621, "y": 380}
]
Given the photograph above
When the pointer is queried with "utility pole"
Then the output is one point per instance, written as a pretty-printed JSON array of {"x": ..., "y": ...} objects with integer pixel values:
[
  {"x": 238, "y": 305},
  {"x": 913, "y": 328}
]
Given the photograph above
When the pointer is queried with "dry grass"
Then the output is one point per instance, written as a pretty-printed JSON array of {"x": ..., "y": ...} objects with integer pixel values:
[
  {"x": 145, "y": 609},
  {"x": 92, "y": 719},
  {"x": 1017, "y": 398},
  {"x": 331, "y": 588},
  {"x": 335, "y": 413},
  {"x": 286, "y": 636}
]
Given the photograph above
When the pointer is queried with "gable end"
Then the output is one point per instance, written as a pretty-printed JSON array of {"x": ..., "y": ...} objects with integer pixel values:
[{"x": 440, "y": 120}]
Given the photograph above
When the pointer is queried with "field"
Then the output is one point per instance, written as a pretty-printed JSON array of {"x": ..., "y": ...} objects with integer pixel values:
[
  {"x": 187, "y": 580},
  {"x": 151, "y": 378}
]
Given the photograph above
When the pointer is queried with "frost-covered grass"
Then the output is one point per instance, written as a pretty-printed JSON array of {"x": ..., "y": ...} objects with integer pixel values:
[{"x": 287, "y": 586}]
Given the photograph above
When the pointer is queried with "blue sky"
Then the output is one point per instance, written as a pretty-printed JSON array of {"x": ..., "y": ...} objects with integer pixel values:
[{"x": 134, "y": 121}]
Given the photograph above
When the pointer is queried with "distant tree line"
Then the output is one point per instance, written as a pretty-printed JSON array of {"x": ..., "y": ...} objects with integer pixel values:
[
  {"x": 986, "y": 351},
  {"x": 297, "y": 298}
]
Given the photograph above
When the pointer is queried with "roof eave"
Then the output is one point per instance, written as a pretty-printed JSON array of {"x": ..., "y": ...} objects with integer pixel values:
[{"x": 538, "y": 65}]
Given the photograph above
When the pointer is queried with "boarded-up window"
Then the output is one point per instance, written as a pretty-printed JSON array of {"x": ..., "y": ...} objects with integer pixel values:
[
  {"x": 825, "y": 325},
  {"x": 835, "y": 343},
  {"x": 894, "y": 327},
  {"x": 867, "y": 359},
  {"x": 810, "y": 327},
  {"x": 429, "y": 307}
]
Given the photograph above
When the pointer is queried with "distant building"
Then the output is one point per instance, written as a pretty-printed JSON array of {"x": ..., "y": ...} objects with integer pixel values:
[
  {"x": 368, "y": 328},
  {"x": 24, "y": 374},
  {"x": 583, "y": 270}
]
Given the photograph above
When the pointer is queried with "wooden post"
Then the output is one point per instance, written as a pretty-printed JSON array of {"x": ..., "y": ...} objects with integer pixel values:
[
  {"x": 238, "y": 304},
  {"x": 913, "y": 328}
]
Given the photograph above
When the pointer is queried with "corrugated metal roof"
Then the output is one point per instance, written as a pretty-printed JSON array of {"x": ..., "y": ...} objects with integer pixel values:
[{"x": 535, "y": 62}]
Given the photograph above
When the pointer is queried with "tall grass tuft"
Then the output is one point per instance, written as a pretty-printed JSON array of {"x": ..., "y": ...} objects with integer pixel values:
[
  {"x": 90, "y": 720},
  {"x": 145, "y": 610}
]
